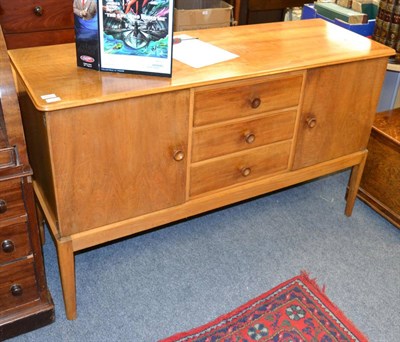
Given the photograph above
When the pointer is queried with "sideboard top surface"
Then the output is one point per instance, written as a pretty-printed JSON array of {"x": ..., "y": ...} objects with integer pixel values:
[{"x": 263, "y": 49}]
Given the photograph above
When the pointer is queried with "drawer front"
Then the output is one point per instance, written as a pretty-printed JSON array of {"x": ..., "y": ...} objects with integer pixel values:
[
  {"x": 17, "y": 284},
  {"x": 30, "y": 39},
  {"x": 220, "y": 139},
  {"x": 215, "y": 104},
  {"x": 238, "y": 168},
  {"x": 35, "y": 15},
  {"x": 14, "y": 242},
  {"x": 11, "y": 201}
]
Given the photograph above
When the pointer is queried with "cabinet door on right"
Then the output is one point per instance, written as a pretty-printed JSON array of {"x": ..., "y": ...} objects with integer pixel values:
[{"x": 338, "y": 110}]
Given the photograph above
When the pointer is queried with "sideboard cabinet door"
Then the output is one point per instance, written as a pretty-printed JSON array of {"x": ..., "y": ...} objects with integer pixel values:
[
  {"x": 117, "y": 160},
  {"x": 338, "y": 109}
]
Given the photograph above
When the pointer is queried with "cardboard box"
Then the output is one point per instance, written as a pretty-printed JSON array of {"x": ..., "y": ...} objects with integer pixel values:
[
  {"x": 344, "y": 3},
  {"x": 201, "y": 14}
]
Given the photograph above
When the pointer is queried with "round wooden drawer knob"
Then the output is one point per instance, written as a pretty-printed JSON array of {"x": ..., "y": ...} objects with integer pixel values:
[
  {"x": 311, "y": 121},
  {"x": 246, "y": 171},
  {"x": 7, "y": 246},
  {"x": 179, "y": 155},
  {"x": 3, "y": 206},
  {"x": 255, "y": 103},
  {"x": 38, "y": 11},
  {"x": 249, "y": 138},
  {"x": 16, "y": 290}
]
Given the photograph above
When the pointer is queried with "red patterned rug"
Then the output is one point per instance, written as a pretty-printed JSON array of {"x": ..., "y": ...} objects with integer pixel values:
[{"x": 296, "y": 311}]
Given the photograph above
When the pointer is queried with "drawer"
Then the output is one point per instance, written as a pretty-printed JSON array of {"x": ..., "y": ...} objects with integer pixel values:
[
  {"x": 221, "y": 139},
  {"x": 14, "y": 242},
  {"x": 17, "y": 284},
  {"x": 239, "y": 167},
  {"x": 11, "y": 201},
  {"x": 240, "y": 99},
  {"x": 35, "y": 15},
  {"x": 30, "y": 39}
]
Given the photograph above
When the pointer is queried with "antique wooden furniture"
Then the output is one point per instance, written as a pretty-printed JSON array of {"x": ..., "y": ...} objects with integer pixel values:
[
  {"x": 380, "y": 184},
  {"x": 116, "y": 154},
  {"x": 36, "y": 22},
  {"x": 263, "y": 11},
  {"x": 25, "y": 302}
]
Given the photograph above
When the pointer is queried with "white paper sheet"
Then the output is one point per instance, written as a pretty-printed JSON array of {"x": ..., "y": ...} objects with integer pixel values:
[{"x": 197, "y": 53}]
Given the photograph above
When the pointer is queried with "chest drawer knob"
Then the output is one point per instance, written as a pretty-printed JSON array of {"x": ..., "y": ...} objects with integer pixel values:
[
  {"x": 16, "y": 290},
  {"x": 311, "y": 121},
  {"x": 249, "y": 138},
  {"x": 246, "y": 171},
  {"x": 38, "y": 11},
  {"x": 255, "y": 103},
  {"x": 179, "y": 155},
  {"x": 7, "y": 246},
  {"x": 3, "y": 206}
]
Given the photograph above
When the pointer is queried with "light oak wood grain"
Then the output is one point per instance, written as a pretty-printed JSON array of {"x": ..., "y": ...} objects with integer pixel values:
[
  {"x": 263, "y": 49},
  {"x": 120, "y": 154},
  {"x": 116, "y": 160},
  {"x": 342, "y": 102},
  {"x": 241, "y": 99},
  {"x": 238, "y": 135},
  {"x": 237, "y": 168}
]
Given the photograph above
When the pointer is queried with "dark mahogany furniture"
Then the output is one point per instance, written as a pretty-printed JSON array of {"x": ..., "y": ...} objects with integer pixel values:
[
  {"x": 25, "y": 302},
  {"x": 380, "y": 184},
  {"x": 36, "y": 22}
]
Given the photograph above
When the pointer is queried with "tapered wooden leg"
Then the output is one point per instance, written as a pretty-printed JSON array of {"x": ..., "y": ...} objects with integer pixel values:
[
  {"x": 66, "y": 262},
  {"x": 354, "y": 183}
]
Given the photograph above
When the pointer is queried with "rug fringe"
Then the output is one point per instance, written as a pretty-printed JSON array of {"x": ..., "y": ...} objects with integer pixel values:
[
  {"x": 306, "y": 274},
  {"x": 335, "y": 309}
]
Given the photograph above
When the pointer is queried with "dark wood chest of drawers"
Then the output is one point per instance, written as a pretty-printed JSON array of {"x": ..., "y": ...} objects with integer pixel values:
[
  {"x": 36, "y": 22},
  {"x": 25, "y": 303}
]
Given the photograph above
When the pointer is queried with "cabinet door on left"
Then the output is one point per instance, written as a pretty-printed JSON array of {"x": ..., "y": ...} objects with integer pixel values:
[
  {"x": 338, "y": 110},
  {"x": 117, "y": 160}
]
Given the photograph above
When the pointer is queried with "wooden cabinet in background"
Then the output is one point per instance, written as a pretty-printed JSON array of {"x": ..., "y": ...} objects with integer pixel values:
[
  {"x": 380, "y": 184},
  {"x": 119, "y": 154},
  {"x": 25, "y": 302},
  {"x": 263, "y": 11},
  {"x": 36, "y": 22}
]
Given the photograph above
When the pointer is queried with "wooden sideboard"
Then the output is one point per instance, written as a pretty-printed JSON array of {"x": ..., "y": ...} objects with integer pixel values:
[
  {"x": 25, "y": 302},
  {"x": 36, "y": 22},
  {"x": 119, "y": 154}
]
